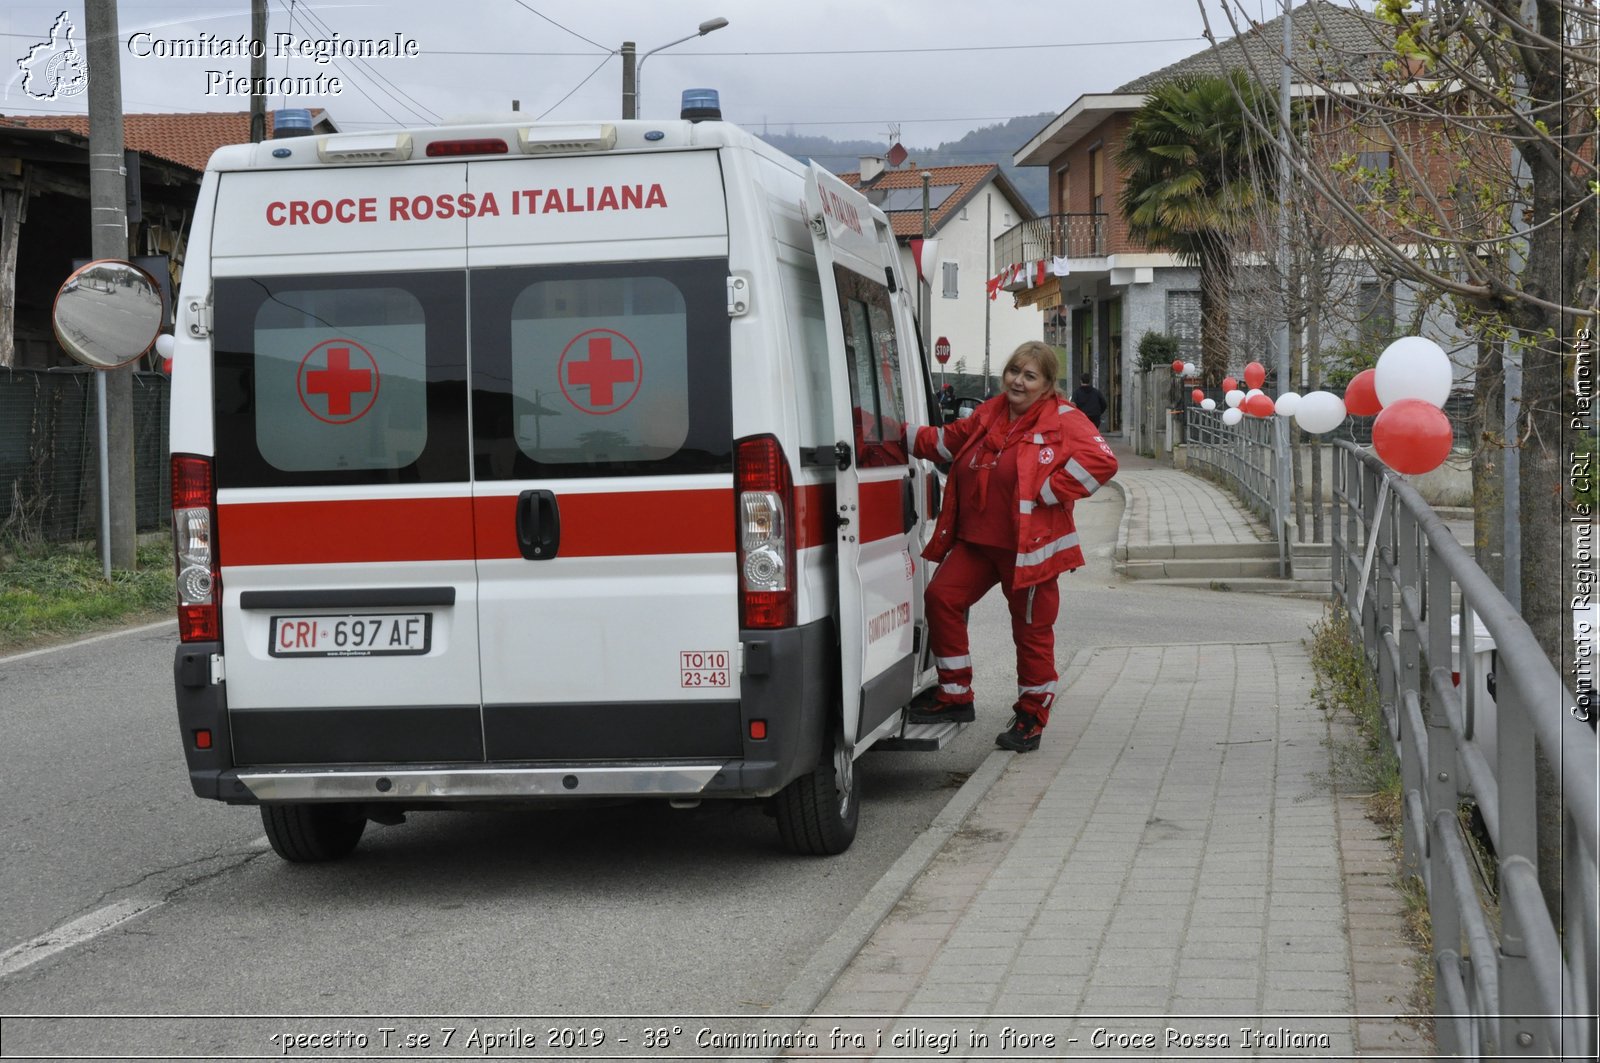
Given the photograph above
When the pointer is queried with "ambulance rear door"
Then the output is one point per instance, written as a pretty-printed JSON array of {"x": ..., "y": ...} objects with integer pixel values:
[
  {"x": 877, "y": 512},
  {"x": 602, "y": 455},
  {"x": 339, "y": 391}
]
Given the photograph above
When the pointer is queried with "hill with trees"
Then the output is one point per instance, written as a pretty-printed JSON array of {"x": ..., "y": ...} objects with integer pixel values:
[{"x": 993, "y": 143}]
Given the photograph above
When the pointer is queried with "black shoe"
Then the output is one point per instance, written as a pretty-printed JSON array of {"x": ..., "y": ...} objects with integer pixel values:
[
  {"x": 943, "y": 712},
  {"x": 1023, "y": 737}
]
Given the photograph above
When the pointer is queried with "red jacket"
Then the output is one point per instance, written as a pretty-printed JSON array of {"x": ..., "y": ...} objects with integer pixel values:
[{"x": 1063, "y": 460}]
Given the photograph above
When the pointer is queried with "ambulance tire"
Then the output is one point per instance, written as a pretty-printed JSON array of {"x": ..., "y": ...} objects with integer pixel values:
[
  {"x": 311, "y": 834},
  {"x": 817, "y": 813}
]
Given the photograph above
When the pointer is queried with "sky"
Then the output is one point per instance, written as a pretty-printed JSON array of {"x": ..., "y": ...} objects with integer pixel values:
[{"x": 849, "y": 69}]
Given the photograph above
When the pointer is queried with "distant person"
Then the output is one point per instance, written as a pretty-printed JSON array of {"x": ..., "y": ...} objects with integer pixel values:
[
  {"x": 947, "y": 401},
  {"x": 1088, "y": 399},
  {"x": 1016, "y": 467}
]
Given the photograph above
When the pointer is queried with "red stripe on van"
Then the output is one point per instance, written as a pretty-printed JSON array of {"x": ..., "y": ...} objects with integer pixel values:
[
  {"x": 310, "y": 533},
  {"x": 882, "y": 515},
  {"x": 620, "y": 524},
  {"x": 813, "y": 519}
]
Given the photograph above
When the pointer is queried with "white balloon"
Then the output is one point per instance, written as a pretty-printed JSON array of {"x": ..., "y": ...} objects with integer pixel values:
[
  {"x": 1288, "y": 402},
  {"x": 1413, "y": 368},
  {"x": 1319, "y": 412},
  {"x": 1252, "y": 392},
  {"x": 1234, "y": 397},
  {"x": 1208, "y": 404},
  {"x": 1190, "y": 369},
  {"x": 1232, "y": 416},
  {"x": 164, "y": 344}
]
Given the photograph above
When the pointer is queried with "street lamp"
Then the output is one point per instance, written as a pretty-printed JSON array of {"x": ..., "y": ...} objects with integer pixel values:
[{"x": 630, "y": 107}]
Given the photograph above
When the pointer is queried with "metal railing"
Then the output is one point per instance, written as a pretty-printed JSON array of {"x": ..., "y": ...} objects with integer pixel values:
[
  {"x": 1252, "y": 458},
  {"x": 1511, "y": 977},
  {"x": 1052, "y": 236}
]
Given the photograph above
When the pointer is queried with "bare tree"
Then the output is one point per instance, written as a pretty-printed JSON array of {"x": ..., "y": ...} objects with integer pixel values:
[{"x": 1455, "y": 141}]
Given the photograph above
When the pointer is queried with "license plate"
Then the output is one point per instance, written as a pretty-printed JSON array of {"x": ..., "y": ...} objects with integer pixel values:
[{"x": 367, "y": 635}]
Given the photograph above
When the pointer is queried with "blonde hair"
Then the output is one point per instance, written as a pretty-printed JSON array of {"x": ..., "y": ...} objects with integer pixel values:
[{"x": 1042, "y": 355}]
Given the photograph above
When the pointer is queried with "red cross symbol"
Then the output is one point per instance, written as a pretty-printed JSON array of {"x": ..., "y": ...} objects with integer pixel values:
[
  {"x": 601, "y": 372},
  {"x": 339, "y": 381}
]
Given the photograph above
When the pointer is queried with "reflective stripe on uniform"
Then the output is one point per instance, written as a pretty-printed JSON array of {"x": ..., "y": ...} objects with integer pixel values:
[
  {"x": 1047, "y": 693},
  {"x": 1089, "y": 483},
  {"x": 955, "y": 688},
  {"x": 1025, "y": 506},
  {"x": 1048, "y": 550},
  {"x": 952, "y": 663},
  {"x": 938, "y": 444},
  {"x": 1047, "y": 495}
]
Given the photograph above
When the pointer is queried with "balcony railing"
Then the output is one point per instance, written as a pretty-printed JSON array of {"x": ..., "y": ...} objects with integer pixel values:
[{"x": 1052, "y": 236}]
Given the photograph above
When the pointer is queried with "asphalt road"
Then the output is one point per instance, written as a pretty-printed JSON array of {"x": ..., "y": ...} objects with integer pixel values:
[{"x": 624, "y": 910}]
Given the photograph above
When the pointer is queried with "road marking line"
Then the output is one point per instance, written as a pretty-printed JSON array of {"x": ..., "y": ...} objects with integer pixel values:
[
  {"x": 74, "y": 933},
  {"x": 90, "y": 641}
]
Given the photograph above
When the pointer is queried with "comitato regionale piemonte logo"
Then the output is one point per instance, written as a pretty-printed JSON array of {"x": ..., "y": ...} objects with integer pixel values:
[{"x": 55, "y": 69}]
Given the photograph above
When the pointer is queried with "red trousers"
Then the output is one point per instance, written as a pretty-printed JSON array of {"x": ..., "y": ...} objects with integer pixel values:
[{"x": 966, "y": 576}]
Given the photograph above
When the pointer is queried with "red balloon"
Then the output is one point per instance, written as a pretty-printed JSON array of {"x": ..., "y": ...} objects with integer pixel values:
[
  {"x": 1412, "y": 435},
  {"x": 1177, "y": 366},
  {"x": 1197, "y": 395},
  {"x": 1258, "y": 406},
  {"x": 1361, "y": 394},
  {"x": 1254, "y": 375},
  {"x": 1229, "y": 384}
]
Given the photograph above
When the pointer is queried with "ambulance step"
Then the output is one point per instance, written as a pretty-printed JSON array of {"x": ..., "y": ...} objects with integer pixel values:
[{"x": 922, "y": 737}]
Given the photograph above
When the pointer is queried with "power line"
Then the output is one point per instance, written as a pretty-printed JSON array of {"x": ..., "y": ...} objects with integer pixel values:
[
  {"x": 411, "y": 103},
  {"x": 866, "y": 51},
  {"x": 335, "y": 66},
  {"x": 558, "y": 26},
  {"x": 576, "y": 87}
]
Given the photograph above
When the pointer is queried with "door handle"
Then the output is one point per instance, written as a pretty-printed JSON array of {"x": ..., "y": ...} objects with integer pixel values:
[
  {"x": 538, "y": 525},
  {"x": 908, "y": 503}
]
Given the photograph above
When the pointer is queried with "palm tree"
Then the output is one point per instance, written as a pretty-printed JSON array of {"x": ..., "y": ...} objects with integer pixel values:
[{"x": 1196, "y": 174}]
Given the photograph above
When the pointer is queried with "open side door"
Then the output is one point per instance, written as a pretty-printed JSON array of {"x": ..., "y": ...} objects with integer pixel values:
[{"x": 880, "y": 606}]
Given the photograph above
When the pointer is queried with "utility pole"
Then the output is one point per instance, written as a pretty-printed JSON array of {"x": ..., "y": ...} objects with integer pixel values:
[
  {"x": 925, "y": 284},
  {"x": 258, "y": 71},
  {"x": 108, "y": 226},
  {"x": 630, "y": 90}
]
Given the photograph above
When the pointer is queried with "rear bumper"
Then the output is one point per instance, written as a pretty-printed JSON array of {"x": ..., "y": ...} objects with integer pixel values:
[{"x": 404, "y": 757}]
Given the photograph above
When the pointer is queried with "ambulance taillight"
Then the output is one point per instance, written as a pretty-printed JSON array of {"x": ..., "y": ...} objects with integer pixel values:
[
  {"x": 765, "y": 492},
  {"x": 194, "y": 512}
]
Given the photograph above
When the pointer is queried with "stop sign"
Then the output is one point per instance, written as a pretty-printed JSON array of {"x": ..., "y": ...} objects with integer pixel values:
[{"x": 941, "y": 350}]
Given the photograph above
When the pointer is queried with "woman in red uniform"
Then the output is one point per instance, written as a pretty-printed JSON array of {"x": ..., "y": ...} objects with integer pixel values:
[{"x": 1016, "y": 467}]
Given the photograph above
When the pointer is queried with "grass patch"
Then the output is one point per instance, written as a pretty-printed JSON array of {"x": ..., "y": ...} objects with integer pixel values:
[
  {"x": 1346, "y": 683},
  {"x": 55, "y": 592}
]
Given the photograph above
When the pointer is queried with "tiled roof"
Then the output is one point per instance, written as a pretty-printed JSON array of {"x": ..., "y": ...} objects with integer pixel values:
[
  {"x": 186, "y": 139},
  {"x": 1332, "y": 41},
  {"x": 967, "y": 179}
]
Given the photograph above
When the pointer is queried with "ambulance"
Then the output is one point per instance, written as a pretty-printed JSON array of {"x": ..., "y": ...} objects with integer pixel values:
[{"x": 518, "y": 463}]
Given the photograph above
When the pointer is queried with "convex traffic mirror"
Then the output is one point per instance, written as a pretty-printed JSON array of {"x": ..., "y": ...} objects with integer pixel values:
[{"x": 107, "y": 313}]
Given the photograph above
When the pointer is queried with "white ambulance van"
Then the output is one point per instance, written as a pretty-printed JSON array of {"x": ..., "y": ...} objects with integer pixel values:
[{"x": 517, "y": 462}]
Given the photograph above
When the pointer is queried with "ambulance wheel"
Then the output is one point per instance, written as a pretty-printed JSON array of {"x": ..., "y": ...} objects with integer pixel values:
[
  {"x": 817, "y": 813},
  {"x": 310, "y": 834}
]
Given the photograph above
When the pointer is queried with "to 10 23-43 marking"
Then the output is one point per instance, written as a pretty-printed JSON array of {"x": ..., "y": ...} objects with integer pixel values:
[{"x": 704, "y": 669}]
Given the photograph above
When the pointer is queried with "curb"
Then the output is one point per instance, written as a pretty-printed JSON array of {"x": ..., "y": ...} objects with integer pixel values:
[
  {"x": 102, "y": 637},
  {"x": 828, "y": 962},
  {"x": 1119, "y": 552}
]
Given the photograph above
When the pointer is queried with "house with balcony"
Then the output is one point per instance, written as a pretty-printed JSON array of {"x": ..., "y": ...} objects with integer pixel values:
[
  {"x": 1109, "y": 288},
  {"x": 967, "y": 207}
]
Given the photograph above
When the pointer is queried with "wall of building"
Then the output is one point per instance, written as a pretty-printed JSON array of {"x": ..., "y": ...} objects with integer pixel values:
[
  {"x": 967, "y": 241},
  {"x": 1108, "y": 138}
]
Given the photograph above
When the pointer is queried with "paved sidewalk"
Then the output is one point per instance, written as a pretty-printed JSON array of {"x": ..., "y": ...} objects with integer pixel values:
[{"x": 1172, "y": 874}]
